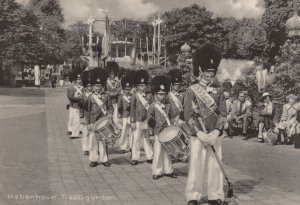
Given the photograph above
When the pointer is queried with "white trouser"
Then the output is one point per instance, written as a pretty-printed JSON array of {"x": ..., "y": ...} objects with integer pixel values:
[
  {"x": 97, "y": 145},
  {"x": 61, "y": 83},
  {"x": 136, "y": 148},
  {"x": 198, "y": 157},
  {"x": 115, "y": 114},
  {"x": 161, "y": 161},
  {"x": 74, "y": 120},
  {"x": 124, "y": 139},
  {"x": 85, "y": 138}
]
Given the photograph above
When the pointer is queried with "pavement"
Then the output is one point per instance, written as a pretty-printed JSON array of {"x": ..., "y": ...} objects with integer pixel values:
[{"x": 40, "y": 164}]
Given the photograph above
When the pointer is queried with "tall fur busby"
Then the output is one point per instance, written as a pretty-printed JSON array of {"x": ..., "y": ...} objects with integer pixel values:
[
  {"x": 207, "y": 58},
  {"x": 85, "y": 78},
  {"x": 175, "y": 76},
  {"x": 160, "y": 83},
  {"x": 121, "y": 73},
  {"x": 141, "y": 77},
  {"x": 112, "y": 67},
  {"x": 98, "y": 76},
  {"x": 127, "y": 81}
]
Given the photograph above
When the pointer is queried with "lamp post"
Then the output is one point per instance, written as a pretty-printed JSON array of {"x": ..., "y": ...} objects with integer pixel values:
[
  {"x": 154, "y": 40},
  {"x": 90, "y": 23},
  {"x": 158, "y": 22}
]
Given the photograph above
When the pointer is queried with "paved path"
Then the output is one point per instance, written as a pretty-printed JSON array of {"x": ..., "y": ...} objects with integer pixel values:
[{"x": 69, "y": 179}]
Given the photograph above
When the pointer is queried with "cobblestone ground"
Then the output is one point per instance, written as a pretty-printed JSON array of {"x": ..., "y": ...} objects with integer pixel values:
[
  {"x": 72, "y": 181},
  {"x": 125, "y": 184}
]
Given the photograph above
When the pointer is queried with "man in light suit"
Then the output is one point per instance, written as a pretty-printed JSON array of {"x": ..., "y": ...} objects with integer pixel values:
[{"x": 241, "y": 113}]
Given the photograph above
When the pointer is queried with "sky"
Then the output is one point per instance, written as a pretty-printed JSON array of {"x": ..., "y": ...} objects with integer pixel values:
[{"x": 140, "y": 9}]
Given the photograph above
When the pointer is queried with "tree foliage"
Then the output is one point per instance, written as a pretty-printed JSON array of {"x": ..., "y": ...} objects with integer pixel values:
[
  {"x": 50, "y": 18},
  {"x": 194, "y": 25}
]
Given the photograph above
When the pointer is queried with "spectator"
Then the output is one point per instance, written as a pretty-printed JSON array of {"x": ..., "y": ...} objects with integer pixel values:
[
  {"x": 266, "y": 115},
  {"x": 241, "y": 113},
  {"x": 228, "y": 108},
  {"x": 53, "y": 80},
  {"x": 288, "y": 120},
  {"x": 61, "y": 79}
]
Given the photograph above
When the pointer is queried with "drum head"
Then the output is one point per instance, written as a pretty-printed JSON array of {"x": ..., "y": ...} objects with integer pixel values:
[
  {"x": 100, "y": 123},
  {"x": 168, "y": 133}
]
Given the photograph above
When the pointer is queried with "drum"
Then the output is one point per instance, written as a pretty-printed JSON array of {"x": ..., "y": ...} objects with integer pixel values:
[
  {"x": 145, "y": 132},
  {"x": 184, "y": 127},
  {"x": 106, "y": 130},
  {"x": 175, "y": 141}
]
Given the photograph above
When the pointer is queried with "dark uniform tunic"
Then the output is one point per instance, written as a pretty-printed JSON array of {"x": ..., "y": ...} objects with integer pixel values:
[
  {"x": 124, "y": 106},
  {"x": 213, "y": 118}
]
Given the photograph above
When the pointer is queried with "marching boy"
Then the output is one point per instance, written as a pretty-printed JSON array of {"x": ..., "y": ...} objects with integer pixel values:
[
  {"x": 99, "y": 106},
  {"x": 138, "y": 114},
  {"x": 74, "y": 94},
  {"x": 124, "y": 110},
  {"x": 174, "y": 97},
  {"x": 158, "y": 118},
  {"x": 86, "y": 94},
  {"x": 113, "y": 86}
]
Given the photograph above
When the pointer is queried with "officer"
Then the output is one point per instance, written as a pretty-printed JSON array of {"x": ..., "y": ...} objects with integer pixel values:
[{"x": 205, "y": 112}]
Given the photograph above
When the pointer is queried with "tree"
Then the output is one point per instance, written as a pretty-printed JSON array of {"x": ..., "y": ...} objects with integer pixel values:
[
  {"x": 18, "y": 38},
  {"x": 50, "y": 17},
  {"x": 193, "y": 25},
  {"x": 286, "y": 78},
  {"x": 73, "y": 45},
  {"x": 273, "y": 22}
]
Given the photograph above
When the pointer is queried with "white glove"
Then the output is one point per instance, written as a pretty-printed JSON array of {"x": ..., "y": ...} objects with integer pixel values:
[
  {"x": 213, "y": 136},
  {"x": 203, "y": 137}
]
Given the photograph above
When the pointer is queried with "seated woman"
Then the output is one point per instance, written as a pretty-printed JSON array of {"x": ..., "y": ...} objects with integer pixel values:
[
  {"x": 266, "y": 115},
  {"x": 288, "y": 120}
]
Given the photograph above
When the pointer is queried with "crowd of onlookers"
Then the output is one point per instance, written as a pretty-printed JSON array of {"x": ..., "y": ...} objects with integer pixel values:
[{"x": 267, "y": 128}]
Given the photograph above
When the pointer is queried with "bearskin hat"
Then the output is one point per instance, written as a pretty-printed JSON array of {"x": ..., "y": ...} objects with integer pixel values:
[
  {"x": 207, "y": 58},
  {"x": 141, "y": 77},
  {"x": 112, "y": 67},
  {"x": 128, "y": 80},
  {"x": 175, "y": 76},
  {"x": 85, "y": 78},
  {"x": 121, "y": 73},
  {"x": 98, "y": 76},
  {"x": 160, "y": 83}
]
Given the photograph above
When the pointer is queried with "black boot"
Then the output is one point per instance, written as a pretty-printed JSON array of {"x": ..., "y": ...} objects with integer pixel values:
[
  {"x": 93, "y": 164},
  {"x": 192, "y": 202},
  {"x": 149, "y": 161},
  {"x": 172, "y": 175},
  {"x": 217, "y": 202},
  {"x": 86, "y": 153},
  {"x": 106, "y": 164},
  {"x": 134, "y": 162}
]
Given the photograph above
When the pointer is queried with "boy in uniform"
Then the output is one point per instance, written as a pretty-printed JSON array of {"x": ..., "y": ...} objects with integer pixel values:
[
  {"x": 124, "y": 111},
  {"x": 138, "y": 114},
  {"x": 158, "y": 118},
  {"x": 74, "y": 94},
  {"x": 113, "y": 86},
  {"x": 99, "y": 106},
  {"x": 87, "y": 92}
]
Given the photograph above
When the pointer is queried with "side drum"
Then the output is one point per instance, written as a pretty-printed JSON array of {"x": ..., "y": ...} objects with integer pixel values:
[
  {"x": 175, "y": 141},
  {"x": 144, "y": 132},
  {"x": 106, "y": 130}
]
